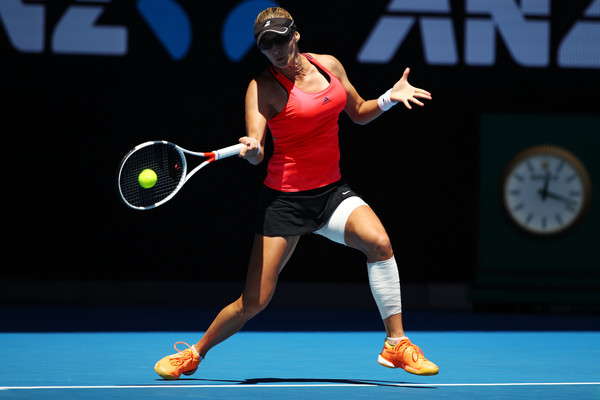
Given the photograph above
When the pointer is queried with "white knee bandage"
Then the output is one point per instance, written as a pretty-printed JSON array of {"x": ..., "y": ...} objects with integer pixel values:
[{"x": 384, "y": 280}]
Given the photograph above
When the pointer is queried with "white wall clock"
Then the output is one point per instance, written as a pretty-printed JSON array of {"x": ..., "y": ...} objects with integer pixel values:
[{"x": 545, "y": 190}]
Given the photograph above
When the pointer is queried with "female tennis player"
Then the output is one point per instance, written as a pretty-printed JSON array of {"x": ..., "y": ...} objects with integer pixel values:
[{"x": 299, "y": 98}]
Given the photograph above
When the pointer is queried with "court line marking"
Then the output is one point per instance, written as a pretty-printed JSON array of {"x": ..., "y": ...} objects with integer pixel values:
[{"x": 413, "y": 385}]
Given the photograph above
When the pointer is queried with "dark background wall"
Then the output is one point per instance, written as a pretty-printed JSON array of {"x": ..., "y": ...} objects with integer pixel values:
[{"x": 178, "y": 71}]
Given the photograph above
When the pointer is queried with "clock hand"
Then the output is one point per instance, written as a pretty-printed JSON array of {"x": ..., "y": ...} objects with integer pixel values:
[
  {"x": 544, "y": 190},
  {"x": 559, "y": 197}
]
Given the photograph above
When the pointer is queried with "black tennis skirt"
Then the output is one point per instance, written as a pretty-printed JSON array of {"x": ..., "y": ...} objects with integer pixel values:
[{"x": 297, "y": 213}]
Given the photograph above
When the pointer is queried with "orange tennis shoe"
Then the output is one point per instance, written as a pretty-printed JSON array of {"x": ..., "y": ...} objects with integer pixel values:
[
  {"x": 407, "y": 356},
  {"x": 183, "y": 362}
]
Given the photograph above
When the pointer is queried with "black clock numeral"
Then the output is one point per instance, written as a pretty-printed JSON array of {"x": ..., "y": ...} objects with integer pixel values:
[
  {"x": 558, "y": 219},
  {"x": 530, "y": 168},
  {"x": 570, "y": 178},
  {"x": 519, "y": 177},
  {"x": 529, "y": 218},
  {"x": 519, "y": 207}
]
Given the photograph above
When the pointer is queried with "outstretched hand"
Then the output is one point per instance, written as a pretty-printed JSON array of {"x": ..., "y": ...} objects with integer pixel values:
[{"x": 406, "y": 93}]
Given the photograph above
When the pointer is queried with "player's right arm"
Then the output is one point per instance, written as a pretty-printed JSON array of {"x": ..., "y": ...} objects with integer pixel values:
[{"x": 256, "y": 122}]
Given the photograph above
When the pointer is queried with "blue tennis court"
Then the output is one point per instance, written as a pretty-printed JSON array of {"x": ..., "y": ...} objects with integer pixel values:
[{"x": 484, "y": 359}]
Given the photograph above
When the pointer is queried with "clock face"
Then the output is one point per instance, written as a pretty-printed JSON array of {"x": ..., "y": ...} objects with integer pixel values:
[{"x": 545, "y": 190}]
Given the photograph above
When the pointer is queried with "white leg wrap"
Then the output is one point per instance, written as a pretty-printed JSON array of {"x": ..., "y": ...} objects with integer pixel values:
[{"x": 384, "y": 280}]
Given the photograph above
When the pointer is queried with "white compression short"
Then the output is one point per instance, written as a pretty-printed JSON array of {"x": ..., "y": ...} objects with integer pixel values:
[{"x": 335, "y": 227}]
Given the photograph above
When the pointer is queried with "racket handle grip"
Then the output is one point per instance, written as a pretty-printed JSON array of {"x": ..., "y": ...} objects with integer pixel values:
[{"x": 228, "y": 151}]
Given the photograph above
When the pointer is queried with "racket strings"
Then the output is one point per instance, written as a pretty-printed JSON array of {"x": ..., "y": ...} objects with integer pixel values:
[{"x": 165, "y": 160}]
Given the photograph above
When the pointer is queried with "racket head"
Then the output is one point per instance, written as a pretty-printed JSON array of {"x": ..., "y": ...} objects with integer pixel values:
[{"x": 166, "y": 160}]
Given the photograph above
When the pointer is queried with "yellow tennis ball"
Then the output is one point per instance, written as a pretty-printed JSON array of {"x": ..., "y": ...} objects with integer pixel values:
[{"x": 147, "y": 178}]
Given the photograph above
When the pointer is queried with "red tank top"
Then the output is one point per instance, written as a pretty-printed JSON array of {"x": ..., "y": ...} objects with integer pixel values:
[{"x": 306, "y": 150}]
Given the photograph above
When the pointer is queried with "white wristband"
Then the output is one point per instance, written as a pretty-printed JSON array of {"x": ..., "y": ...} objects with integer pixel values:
[{"x": 384, "y": 101}]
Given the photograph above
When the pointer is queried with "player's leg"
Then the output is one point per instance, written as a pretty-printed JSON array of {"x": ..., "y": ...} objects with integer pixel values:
[
  {"x": 354, "y": 224},
  {"x": 365, "y": 232},
  {"x": 268, "y": 257}
]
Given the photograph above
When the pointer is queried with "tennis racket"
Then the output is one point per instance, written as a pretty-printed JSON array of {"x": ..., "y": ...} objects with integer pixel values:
[{"x": 168, "y": 172}]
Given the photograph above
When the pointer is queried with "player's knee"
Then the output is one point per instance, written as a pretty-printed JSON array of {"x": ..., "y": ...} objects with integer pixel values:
[
  {"x": 379, "y": 248},
  {"x": 375, "y": 245},
  {"x": 252, "y": 307}
]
